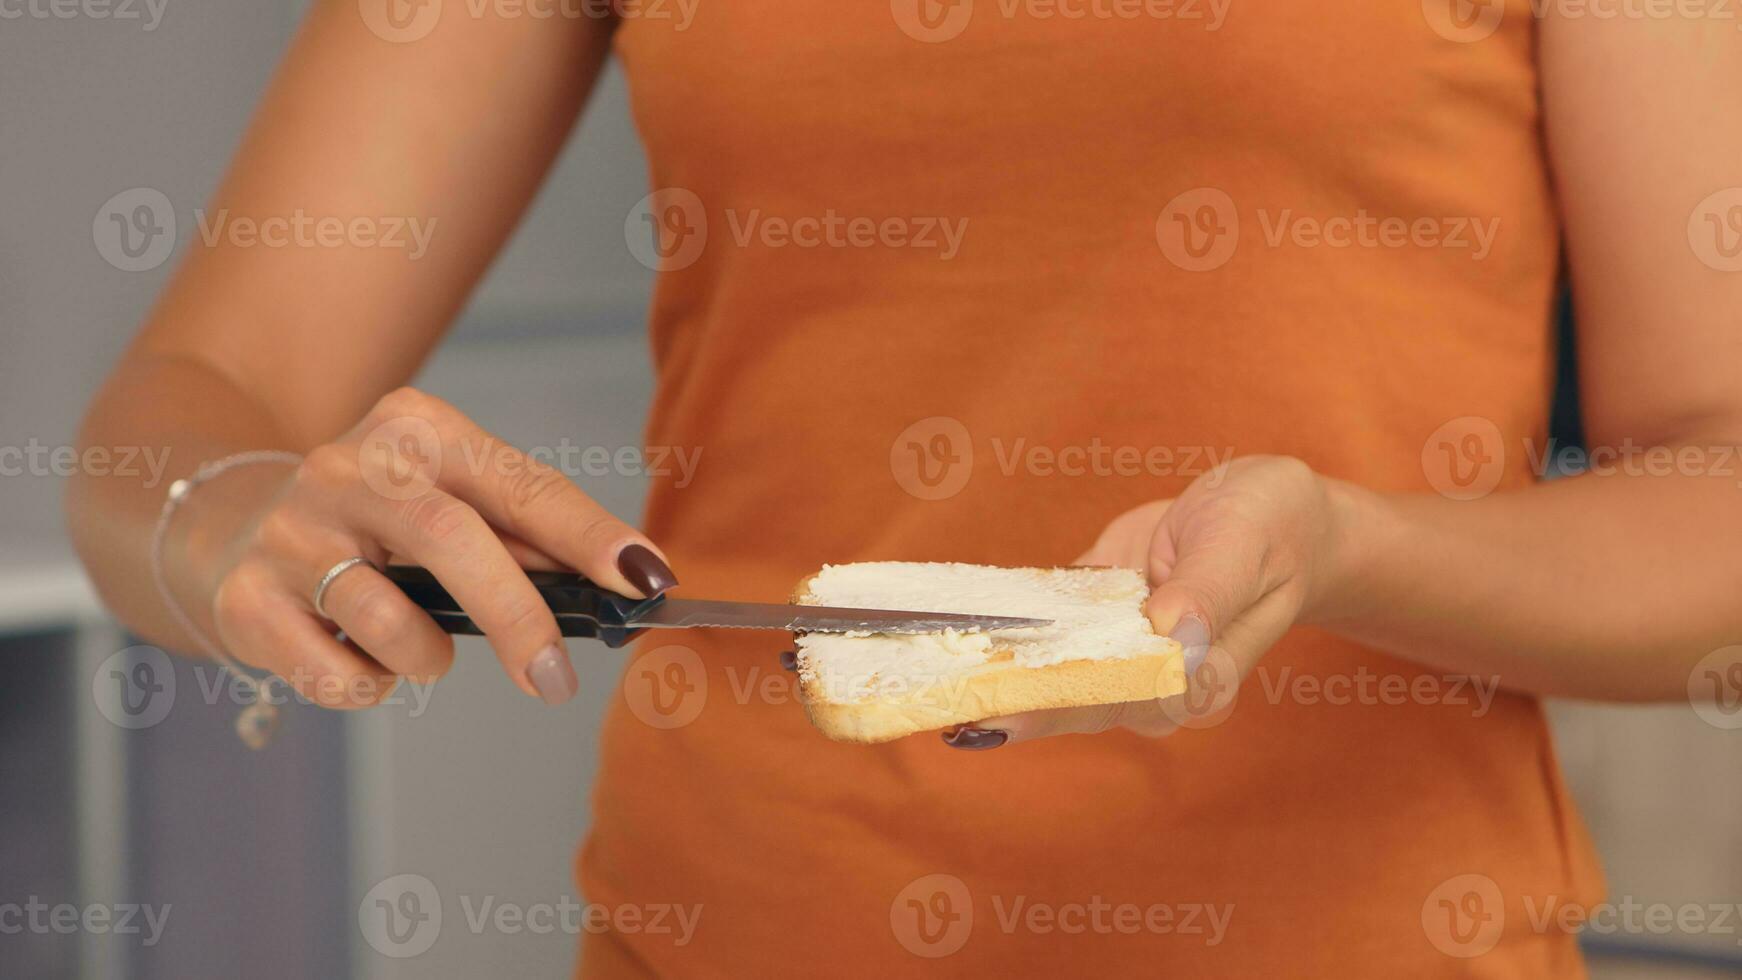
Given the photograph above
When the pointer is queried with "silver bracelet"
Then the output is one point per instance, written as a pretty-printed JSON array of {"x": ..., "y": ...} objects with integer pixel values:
[{"x": 257, "y": 721}]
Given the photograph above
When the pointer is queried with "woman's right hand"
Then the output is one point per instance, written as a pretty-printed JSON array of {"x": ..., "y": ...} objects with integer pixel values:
[{"x": 418, "y": 480}]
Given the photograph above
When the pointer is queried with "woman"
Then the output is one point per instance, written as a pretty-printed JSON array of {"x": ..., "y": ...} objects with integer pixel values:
[{"x": 1327, "y": 246}]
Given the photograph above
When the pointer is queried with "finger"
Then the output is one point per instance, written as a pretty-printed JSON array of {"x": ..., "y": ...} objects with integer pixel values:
[
  {"x": 268, "y": 630},
  {"x": 539, "y": 505},
  {"x": 1091, "y": 720},
  {"x": 373, "y": 612},
  {"x": 1124, "y": 542},
  {"x": 525, "y": 555},
  {"x": 378, "y": 616},
  {"x": 1216, "y": 676},
  {"x": 1242, "y": 643},
  {"x": 1254, "y": 632},
  {"x": 446, "y": 536},
  {"x": 529, "y": 557},
  {"x": 1205, "y": 584}
]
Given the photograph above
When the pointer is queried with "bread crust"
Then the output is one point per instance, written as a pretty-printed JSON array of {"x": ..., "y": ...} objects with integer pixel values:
[{"x": 998, "y": 687}]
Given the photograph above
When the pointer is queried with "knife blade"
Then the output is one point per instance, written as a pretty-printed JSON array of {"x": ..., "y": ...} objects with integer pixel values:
[
  {"x": 675, "y": 613},
  {"x": 585, "y": 609}
]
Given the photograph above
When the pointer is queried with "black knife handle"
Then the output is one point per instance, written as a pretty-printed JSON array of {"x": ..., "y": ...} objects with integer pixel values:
[{"x": 582, "y": 608}]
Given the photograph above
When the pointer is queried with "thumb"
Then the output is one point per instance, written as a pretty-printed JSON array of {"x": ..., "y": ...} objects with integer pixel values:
[{"x": 1205, "y": 591}]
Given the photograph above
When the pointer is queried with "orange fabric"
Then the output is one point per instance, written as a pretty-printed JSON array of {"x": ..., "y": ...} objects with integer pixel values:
[{"x": 1063, "y": 321}]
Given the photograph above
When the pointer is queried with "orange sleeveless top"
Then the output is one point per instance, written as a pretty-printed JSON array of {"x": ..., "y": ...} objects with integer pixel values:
[{"x": 963, "y": 281}]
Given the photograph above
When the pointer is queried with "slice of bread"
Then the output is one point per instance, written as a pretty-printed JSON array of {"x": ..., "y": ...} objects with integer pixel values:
[{"x": 1100, "y": 648}]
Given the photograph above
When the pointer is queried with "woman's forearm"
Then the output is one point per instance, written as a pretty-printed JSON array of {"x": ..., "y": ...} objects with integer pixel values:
[
  {"x": 1605, "y": 585},
  {"x": 258, "y": 348},
  {"x": 186, "y": 413}
]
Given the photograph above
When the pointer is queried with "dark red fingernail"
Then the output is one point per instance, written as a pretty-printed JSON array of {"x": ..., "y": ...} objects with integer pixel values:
[
  {"x": 971, "y": 739},
  {"x": 645, "y": 570},
  {"x": 788, "y": 660}
]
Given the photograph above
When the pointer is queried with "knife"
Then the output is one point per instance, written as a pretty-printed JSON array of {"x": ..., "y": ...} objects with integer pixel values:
[{"x": 588, "y": 610}]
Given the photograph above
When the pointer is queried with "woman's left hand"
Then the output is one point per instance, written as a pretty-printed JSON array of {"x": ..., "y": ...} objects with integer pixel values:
[{"x": 1249, "y": 549}]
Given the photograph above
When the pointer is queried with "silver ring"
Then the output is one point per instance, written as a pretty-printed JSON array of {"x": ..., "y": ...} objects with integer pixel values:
[{"x": 333, "y": 573}]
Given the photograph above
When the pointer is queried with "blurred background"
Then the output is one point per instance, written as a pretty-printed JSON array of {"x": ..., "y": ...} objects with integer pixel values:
[{"x": 264, "y": 858}]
